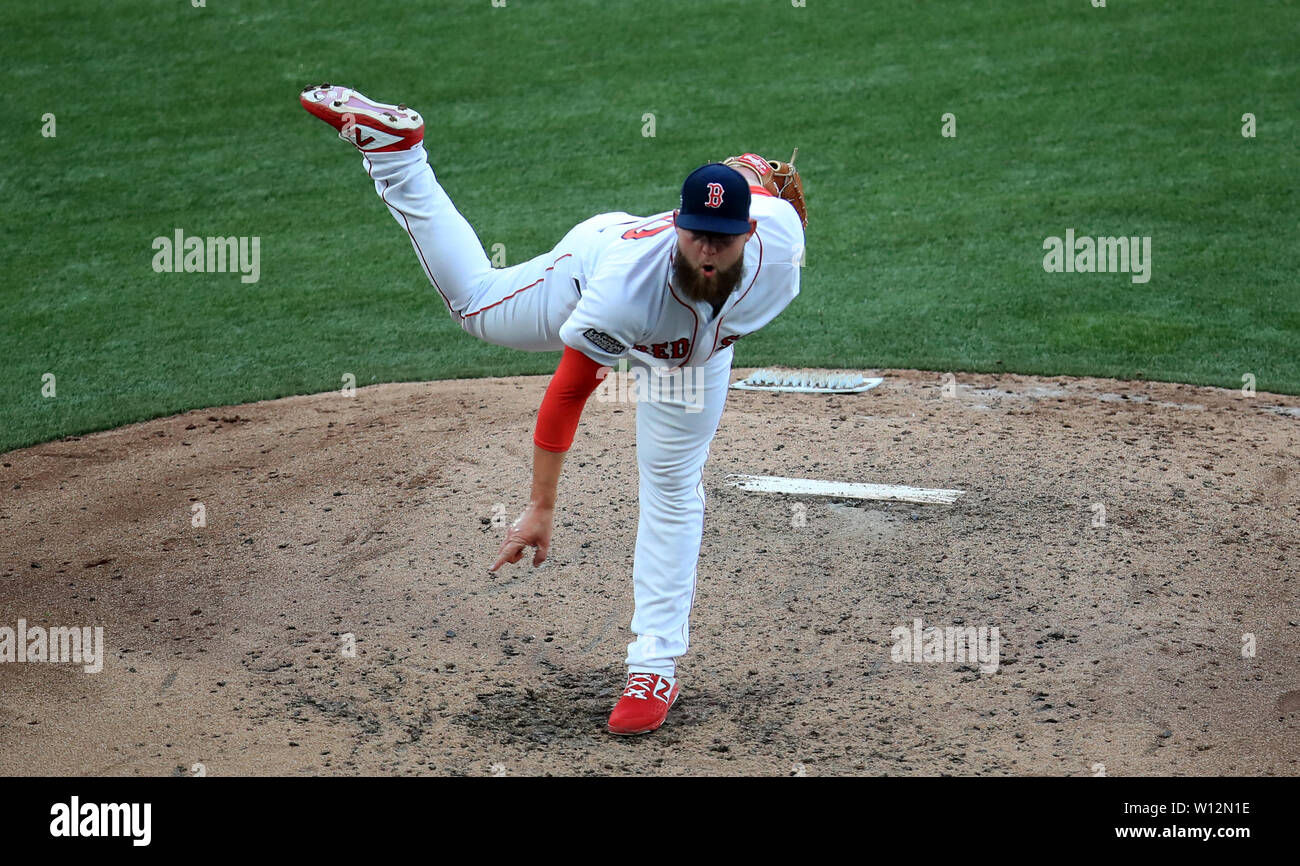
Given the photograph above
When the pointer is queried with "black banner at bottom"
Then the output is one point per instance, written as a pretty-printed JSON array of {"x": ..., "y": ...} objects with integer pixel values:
[{"x": 333, "y": 816}]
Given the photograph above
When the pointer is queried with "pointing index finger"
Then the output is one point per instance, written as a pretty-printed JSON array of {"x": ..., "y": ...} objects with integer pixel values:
[{"x": 506, "y": 555}]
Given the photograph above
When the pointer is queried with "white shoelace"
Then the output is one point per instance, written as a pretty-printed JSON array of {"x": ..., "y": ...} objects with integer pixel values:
[{"x": 637, "y": 685}]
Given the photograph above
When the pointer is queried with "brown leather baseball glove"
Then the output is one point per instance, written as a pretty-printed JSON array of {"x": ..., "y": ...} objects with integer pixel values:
[
  {"x": 781, "y": 179},
  {"x": 758, "y": 166},
  {"x": 785, "y": 177}
]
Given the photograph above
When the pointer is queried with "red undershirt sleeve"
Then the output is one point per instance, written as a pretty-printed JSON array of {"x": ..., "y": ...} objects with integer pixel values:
[{"x": 574, "y": 380}]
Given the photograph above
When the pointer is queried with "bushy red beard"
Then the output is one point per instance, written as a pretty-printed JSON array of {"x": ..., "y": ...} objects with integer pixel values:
[{"x": 694, "y": 285}]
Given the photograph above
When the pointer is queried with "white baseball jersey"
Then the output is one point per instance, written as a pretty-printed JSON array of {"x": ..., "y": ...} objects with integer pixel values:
[{"x": 628, "y": 306}]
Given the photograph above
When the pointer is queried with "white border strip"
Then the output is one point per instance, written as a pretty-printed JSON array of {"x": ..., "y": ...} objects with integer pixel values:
[{"x": 844, "y": 490}]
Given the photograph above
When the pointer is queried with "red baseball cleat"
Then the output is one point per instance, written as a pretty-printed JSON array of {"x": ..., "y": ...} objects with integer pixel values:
[
  {"x": 372, "y": 127},
  {"x": 644, "y": 705}
]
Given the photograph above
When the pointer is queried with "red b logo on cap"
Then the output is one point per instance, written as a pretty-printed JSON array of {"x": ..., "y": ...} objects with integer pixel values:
[{"x": 715, "y": 195}]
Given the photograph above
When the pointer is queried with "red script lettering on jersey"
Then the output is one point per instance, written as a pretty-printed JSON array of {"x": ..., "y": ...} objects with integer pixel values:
[
  {"x": 637, "y": 234},
  {"x": 679, "y": 348}
]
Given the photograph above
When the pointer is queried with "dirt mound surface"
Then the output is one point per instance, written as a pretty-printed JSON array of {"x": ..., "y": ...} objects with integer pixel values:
[{"x": 1134, "y": 545}]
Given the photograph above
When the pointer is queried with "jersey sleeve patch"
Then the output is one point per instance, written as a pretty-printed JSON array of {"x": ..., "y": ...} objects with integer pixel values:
[{"x": 604, "y": 341}]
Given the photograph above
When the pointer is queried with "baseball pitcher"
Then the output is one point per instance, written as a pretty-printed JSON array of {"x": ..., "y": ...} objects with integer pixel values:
[{"x": 670, "y": 293}]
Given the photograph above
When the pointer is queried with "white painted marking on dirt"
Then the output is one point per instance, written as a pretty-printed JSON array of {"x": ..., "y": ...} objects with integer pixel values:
[
  {"x": 844, "y": 490},
  {"x": 1293, "y": 411}
]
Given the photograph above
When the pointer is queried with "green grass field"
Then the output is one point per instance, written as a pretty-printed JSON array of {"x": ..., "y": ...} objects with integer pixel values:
[{"x": 923, "y": 251}]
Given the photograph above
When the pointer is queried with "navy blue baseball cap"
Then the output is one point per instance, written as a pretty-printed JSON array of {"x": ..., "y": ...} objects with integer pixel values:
[{"x": 715, "y": 198}]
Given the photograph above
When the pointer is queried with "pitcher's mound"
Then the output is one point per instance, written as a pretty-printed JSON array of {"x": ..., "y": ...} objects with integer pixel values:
[{"x": 1132, "y": 544}]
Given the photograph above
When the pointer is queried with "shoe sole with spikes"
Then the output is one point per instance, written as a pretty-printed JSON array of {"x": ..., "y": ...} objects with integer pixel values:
[{"x": 369, "y": 126}]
